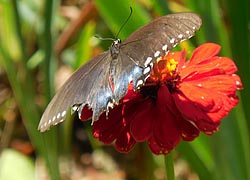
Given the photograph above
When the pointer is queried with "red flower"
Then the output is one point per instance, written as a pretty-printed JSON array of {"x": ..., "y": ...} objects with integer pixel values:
[{"x": 179, "y": 100}]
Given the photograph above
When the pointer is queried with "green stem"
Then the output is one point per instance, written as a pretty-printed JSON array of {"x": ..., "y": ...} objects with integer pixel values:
[
  {"x": 169, "y": 166},
  {"x": 18, "y": 27},
  {"x": 48, "y": 49}
]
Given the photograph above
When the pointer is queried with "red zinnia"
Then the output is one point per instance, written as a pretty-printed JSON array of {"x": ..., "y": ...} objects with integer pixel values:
[{"x": 179, "y": 100}]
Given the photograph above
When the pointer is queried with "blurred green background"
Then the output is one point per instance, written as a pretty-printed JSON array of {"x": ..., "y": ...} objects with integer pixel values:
[{"x": 42, "y": 42}]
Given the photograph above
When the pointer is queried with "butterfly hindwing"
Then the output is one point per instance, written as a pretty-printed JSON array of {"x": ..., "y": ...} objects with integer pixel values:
[{"x": 84, "y": 86}]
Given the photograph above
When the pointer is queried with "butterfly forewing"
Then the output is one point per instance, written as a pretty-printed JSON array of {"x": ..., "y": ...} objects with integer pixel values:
[
  {"x": 104, "y": 80},
  {"x": 160, "y": 35}
]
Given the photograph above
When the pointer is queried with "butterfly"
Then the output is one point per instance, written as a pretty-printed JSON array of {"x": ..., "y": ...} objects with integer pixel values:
[{"x": 103, "y": 81}]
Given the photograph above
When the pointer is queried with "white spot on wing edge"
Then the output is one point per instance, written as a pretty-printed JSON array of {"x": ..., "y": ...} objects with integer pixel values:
[
  {"x": 75, "y": 108},
  {"x": 146, "y": 70},
  {"x": 172, "y": 40},
  {"x": 63, "y": 113},
  {"x": 165, "y": 47},
  {"x": 148, "y": 60},
  {"x": 157, "y": 53},
  {"x": 139, "y": 83},
  {"x": 110, "y": 105},
  {"x": 58, "y": 115},
  {"x": 180, "y": 36}
]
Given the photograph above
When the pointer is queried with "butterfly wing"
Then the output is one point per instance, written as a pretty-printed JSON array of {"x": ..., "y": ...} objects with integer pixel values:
[
  {"x": 160, "y": 35},
  {"x": 145, "y": 45},
  {"x": 126, "y": 71},
  {"x": 155, "y": 39},
  {"x": 88, "y": 85}
]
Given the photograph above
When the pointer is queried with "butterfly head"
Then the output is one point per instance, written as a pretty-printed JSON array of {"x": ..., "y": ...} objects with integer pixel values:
[{"x": 115, "y": 48}]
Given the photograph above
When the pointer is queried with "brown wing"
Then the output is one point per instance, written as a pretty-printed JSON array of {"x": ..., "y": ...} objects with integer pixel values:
[
  {"x": 88, "y": 85},
  {"x": 159, "y": 36}
]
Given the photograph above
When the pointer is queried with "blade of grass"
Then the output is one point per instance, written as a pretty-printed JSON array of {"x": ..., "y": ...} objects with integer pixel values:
[
  {"x": 7, "y": 32},
  {"x": 84, "y": 50},
  {"x": 230, "y": 149},
  {"x": 199, "y": 156},
  {"x": 239, "y": 18},
  {"x": 160, "y": 6},
  {"x": 50, "y": 138}
]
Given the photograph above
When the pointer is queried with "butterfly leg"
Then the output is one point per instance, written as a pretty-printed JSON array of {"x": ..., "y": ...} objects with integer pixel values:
[{"x": 110, "y": 104}]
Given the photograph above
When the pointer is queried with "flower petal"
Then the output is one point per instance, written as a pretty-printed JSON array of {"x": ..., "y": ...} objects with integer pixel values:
[
  {"x": 209, "y": 67},
  {"x": 156, "y": 148},
  {"x": 194, "y": 112},
  {"x": 189, "y": 131},
  {"x": 107, "y": 130},
  {"x": 86, "y": 113},
  {"x": 203, "y": 52},
  {"x": 166, "y": 129},
  {"x": 125, "y": 142},
  {"x": 142, "y": 120}
]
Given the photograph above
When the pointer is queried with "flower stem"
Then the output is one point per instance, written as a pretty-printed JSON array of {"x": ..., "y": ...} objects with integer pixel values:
[{"x": 169, "y": 166}]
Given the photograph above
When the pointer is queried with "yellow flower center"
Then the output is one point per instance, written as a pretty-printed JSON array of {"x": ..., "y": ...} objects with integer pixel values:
[
  {"x": 171, "y": 66},
  {"x": 164, "y": 69}
]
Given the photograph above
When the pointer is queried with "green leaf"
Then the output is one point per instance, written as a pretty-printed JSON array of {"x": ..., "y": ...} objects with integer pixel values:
[{"x": 84, "y": 47}]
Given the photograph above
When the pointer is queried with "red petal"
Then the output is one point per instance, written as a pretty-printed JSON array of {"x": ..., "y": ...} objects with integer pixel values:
[
  {"x": 86, "y": 113},
  {"x": 221, "y": 84},
  {"x": 166, "y": 130},
  {"x": 205, "y": 51},
  {"x": 209, "y": 67},
  {"x": 131, "y": 94},
  {"x": 224, "y": 63},
  {"x": 194, "y": 112},
  {"x": 213, "y": 94},
  {"x": 142, "y": 120},
  {"x": 125, "y": 142},
  {"x": 157, "y": 148},
  {"x": 189, "y": 131},
  {"x": 237, "y": 81},
  {"x": 107, "y": 130}
]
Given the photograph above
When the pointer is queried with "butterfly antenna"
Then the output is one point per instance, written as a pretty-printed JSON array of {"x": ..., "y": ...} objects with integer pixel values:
[
  {"x": 131, "y": 11},
  {"x": 105, "y": 39}
]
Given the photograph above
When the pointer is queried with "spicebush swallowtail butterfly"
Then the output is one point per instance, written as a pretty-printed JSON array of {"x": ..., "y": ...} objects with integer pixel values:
[{"x": 103, "y": 81}]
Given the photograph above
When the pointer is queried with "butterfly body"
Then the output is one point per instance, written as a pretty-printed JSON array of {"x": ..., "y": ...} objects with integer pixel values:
[{"x": 103, "y": 81}]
